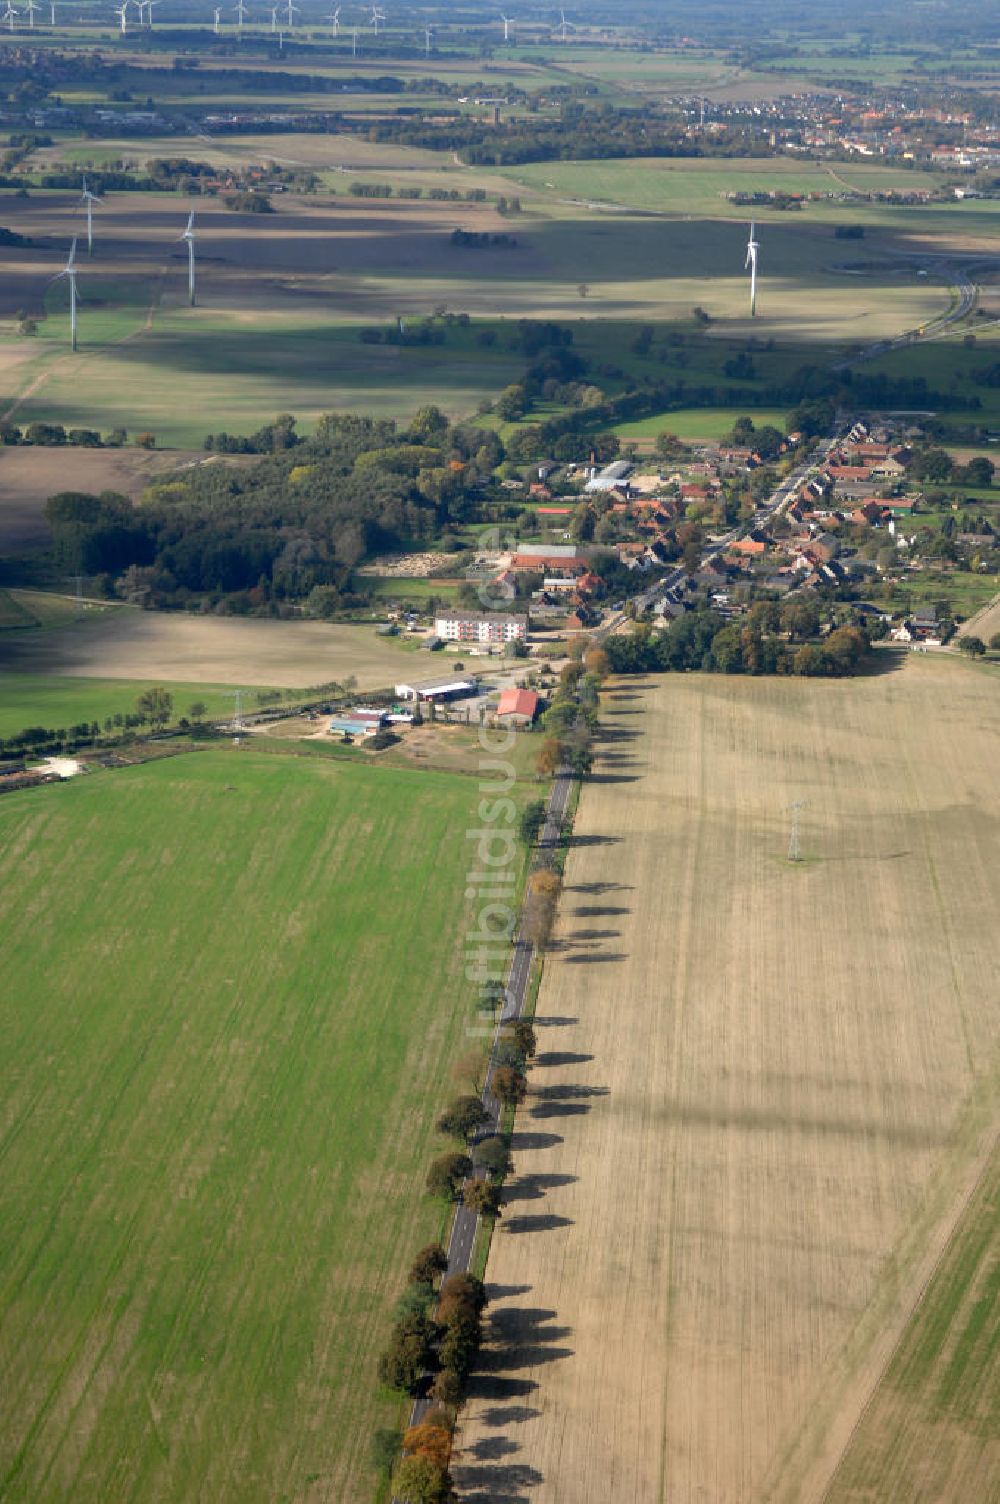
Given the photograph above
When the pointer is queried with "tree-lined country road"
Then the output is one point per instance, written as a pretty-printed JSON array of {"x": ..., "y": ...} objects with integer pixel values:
[{"x": 461, "y": 1244}]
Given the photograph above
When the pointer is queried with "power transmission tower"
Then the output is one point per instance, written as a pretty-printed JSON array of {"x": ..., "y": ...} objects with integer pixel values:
[{"x": 794, "y": 839}]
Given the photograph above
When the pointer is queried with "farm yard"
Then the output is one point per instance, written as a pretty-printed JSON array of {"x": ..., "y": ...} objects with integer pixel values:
[
  {"x": 764, "y": 1093},
  {"x": 233, "y": 985}
]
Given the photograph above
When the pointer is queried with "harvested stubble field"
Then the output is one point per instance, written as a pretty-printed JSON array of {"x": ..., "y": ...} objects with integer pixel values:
[
  {"x": 160, "y": 646},
  {"x": 764, "y": 1093},
  {"x": 232, "y": 987}
]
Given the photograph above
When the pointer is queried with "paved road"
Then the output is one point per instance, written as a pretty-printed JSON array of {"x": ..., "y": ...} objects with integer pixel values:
[{"x": 463, "y": 1231}]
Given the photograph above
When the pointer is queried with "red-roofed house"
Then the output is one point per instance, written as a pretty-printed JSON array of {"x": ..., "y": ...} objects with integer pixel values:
[{"x": 519, "y": 707}]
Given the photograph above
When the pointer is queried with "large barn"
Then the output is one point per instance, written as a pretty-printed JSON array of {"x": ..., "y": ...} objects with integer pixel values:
[{"x": 444, "y": 687}]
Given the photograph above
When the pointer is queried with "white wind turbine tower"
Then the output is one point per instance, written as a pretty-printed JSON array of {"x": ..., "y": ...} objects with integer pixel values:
[
  {"x": 217, "y": 13},
  {"x": 10, "y": 15},
  {"x": 753, "y": 246},
  {"x": 90, "y": 199},
  {"x": 427, "y": 41},
  {"x": 241, "y": 14},
  {"x": 506, "y": 27},
  {"x": 189, "y": 237},
  {"x": 334, "y": 20},
  {"x": 31, "y": 7},
  {"x": 121, "y": 11},
  {"x": 291, "y": 9},
  {"x": 52, "y": 8},
  {"x": 149, "y": 12},
  {"x": 69, "y": 270},
  {"x": 563, "y": 24},
  {"x": 274, "y": 18}
]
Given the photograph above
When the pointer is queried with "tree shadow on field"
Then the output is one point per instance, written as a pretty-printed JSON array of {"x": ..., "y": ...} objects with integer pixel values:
[
  {"x": 501, "y": 1483},
  {"x": 534, "y": 1187},
  {"x": 505, "y": 1292},
  {"x": 593, "y": 958},
  {"x": 581, "y": 937},
  {"x": 521, "y": 1141},
  {"x": 533, "y": 1222},
  {"x": 597, "y": 888},
  {"x": 554, "y": 1020},
  {"x": 508, "y": 1415},
  {"x": 613, "y": 777},
  {"x": 492, "y": 1448},
  {"x": 495, "y": 1386},
  {"x": 561, "y": 1057},
  {"x": 581, "y": 841},
  {"x": 883, "y": 660},
  {"x": 597, "y": 911}
]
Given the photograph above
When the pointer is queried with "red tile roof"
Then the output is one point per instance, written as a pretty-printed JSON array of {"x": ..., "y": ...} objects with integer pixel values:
[{"x": 518, "y": 702}]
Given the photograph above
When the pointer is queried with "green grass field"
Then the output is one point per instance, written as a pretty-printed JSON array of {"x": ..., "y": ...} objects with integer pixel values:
[
  {"x": 57, "y": 700},
  {"x": 233, "y": 982},
  {"x": 698, "y": 424}
]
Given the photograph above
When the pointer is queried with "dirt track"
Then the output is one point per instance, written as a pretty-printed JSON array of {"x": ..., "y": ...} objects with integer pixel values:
[{"x": 762, "y": 1091}]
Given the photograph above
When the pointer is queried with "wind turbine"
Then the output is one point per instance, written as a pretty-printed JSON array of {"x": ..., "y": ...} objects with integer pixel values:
[
  {"x": 563, "y": 24},
  {"x": 69, "y": 270},
  {"x": 274, "y": 19},
  {"x": 427, "y": 41},
  {"x": 217, "y": 14},
  {"x": 753, "y": 246},
  {"x": 241, "y": 14},
  {"x": 334, "y": 20},
  {"x": 354, "y": 42},
  {"x": 31, "y": 7},
  {"x": 90, "y": 199},
  {"x": 291, "y": 9},
  {"x": 506, "y": 27},
  {"x": 189, "y": 237},
  {"x": 121, "y": 11},
  {"x": 9, "y": 15},
  {"x": 52, "y": 8},
  {"x": 377, "y": 16},
  {"x": 149, "y": 12}
]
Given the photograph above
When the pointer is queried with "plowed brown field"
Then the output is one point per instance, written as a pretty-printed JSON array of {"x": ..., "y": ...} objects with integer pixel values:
[{"x": 764, "y": 1093}]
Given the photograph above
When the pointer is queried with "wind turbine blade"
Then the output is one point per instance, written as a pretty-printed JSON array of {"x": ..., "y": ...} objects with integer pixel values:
[{"x": 72, "y": 255}]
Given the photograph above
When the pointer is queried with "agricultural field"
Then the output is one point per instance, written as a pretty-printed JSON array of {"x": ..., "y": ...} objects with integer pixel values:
[
  {"x": 276, "y": 294},
  {"x": 764, "y": 1093},
  {"x": 698, "y": 186},
  {"x": 233, "y": 986},
  {"x": 289, "y": 293},
  {"x": 696, "y": 424},
  {"x": 55, "y": 702},
  {"x": 160, "y": 646}
]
